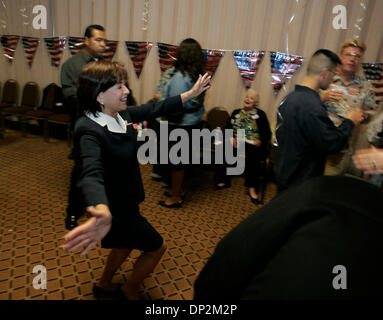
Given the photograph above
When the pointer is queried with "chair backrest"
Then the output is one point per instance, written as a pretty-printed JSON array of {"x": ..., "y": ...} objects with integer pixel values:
[
  {"x": 53, "y": 99},
  {"x": 10, "y": 92},
  {"x": 217, "y": 117},
  {"x": 0, "y": 88},
  {"x": 31, "y": 95}
]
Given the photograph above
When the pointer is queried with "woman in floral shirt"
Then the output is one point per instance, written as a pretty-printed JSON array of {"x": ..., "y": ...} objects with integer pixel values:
[{"x": 257, "y": 141}]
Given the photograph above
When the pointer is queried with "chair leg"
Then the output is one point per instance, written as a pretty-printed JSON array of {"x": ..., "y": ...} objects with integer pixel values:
[
  {"x": 263, "y": 180},
  {"x": 23, "y": 126},
  {"x": 263, "y": 190},
  {"x": 46, "y": 130},
  {"x": 2, "y": 124},
  {"x": 69, "y": 135}
]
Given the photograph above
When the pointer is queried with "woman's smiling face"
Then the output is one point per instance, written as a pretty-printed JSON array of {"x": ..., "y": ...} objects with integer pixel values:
[
  {"x": 114, "y": 99},
  {"x": 250, "y": 101}
]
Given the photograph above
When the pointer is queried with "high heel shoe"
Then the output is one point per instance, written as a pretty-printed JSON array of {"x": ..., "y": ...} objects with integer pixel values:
[
  {"x": 225, "y": 185},
  {"x": 168, "y": 194},
  {"x": 253, "y": 200},
  {"x": 172, "y": 205},
  {"x": 101, "y": 293}
]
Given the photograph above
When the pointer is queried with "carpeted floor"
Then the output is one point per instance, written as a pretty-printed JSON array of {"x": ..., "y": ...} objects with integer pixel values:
[{"x": 34, "y": 179}]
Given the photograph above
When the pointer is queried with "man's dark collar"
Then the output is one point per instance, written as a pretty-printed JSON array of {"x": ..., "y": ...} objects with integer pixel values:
[
  {"x": 299, "y": 87},
  {"x": 87, "y": 57}
]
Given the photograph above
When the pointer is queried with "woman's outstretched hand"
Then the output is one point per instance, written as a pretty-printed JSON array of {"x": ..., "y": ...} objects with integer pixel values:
[
  {"x": 88, "y": 234},
  {"x": 201, "y": 85}
]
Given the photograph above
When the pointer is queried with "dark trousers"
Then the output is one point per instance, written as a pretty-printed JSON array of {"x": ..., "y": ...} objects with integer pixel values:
[
  {"x": 75, "y": 206},
  {"x": 160, "y": 169},
  {"x": 253, "y": 168}
]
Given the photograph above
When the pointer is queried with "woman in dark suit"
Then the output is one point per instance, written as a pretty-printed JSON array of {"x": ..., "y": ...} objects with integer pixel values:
[
  {"x": 257, "y": 142},
  {"x": 105, "y": 146}
]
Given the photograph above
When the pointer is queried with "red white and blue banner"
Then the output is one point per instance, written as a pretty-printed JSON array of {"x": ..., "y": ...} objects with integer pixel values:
[
  {"x": 248, "y": 63},
  {"x": 110, "y": 51},
  {"x": 30, "y": 46},
  {"x": 55, "y": 47},
  {"x": 75, "y": 44},
  {"x": 374, "y": 73},
  {"x": 166, "y": 55},
  {"x": 213, "y": 58},
  {"x": 283, "y": 67},
  {"x": 138, "y": 51},
  {"x": 9, "y": 43}
]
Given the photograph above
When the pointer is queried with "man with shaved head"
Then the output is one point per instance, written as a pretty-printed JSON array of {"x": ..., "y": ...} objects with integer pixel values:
[{"x": 305, "y": 135}]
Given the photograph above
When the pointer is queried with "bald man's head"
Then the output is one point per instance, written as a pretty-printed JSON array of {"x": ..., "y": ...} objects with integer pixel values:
[{"x": 322, "y": 59}]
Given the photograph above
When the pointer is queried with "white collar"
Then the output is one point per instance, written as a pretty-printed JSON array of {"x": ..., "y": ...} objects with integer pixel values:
[{"x": 106, "y": 120}]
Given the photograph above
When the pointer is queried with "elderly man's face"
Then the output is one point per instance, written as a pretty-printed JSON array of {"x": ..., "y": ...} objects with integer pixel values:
[{"x": 351, "y": 58}]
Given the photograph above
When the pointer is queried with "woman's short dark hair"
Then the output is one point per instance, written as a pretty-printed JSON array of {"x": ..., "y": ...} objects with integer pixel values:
[
  {"x": 190, "y": 59},
  {"x": 96, "y": 77}
]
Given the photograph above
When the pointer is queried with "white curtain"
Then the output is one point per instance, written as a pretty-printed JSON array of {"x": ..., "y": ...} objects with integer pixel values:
[{"x": 294, "y": 26}]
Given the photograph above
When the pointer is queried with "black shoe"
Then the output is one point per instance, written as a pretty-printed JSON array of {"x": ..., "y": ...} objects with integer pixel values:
[
  {"x": 173, "y": 205},
  {"x": 168, "y": 194},
  {"x": 100, "y": 293},
  {"x": 71, "y": 222},
  {"x": 253, "y": 200},
  {"x": 217, "y": 187}
]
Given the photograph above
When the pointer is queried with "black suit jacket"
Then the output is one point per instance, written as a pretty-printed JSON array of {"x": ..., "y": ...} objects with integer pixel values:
[{"x": 289, "y": 248}]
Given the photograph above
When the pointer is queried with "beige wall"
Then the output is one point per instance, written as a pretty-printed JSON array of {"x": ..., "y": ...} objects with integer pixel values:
[{"x": 216, "y": 24}]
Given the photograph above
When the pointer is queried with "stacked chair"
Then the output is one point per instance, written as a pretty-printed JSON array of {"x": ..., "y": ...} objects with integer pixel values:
[
  {"x": 29, "y": 101},
  {"x": 9, "y": 99},
  {"x": 52, "y": 110}
]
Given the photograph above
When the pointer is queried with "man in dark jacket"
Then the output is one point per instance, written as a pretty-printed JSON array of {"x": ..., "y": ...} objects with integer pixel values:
[
  {"x": 321, "y": 239},
  {"x": 94, "y": 47},
  {"x": 304, "y": 133}
]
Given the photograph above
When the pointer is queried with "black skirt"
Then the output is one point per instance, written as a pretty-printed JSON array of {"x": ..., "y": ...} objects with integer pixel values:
[{"x": 133, "y": 231}]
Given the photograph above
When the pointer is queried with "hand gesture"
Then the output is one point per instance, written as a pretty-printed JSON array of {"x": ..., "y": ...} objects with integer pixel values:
[
  {"x": 369, "y": 160},
  {"x": 332, "y": 96},
  {"x": 355, "y": 115},
  {"x": 88, "y": 234},
  {"x": 200, "y": 86},
  {"x": 258, "y": 143}
]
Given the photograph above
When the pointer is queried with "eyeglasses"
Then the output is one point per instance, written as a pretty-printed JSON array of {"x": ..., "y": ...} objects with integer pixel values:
[{"x": 352, "y": 54}]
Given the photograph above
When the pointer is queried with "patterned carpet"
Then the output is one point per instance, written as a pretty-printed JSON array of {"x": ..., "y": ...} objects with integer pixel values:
[{"x": 34, "y": 178}]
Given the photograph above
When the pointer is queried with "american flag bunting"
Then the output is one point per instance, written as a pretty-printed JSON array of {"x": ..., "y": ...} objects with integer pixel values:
[
  {"x": 9, "y": 43},
  {"x": 374, "y": 73},
  {"x": 56, "y": 46},
  {"x": 138, "y": 52},
  {"x": 248, "y": 63},
  {"x": 75, "y": 44},
  {"x": 30, "y": 46},
  {"x": 110, "y": 51},
  {"x": 213, "y": 58},
  {"x": 166, "y": 55},
  {"x": 283, "y": 67}
]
